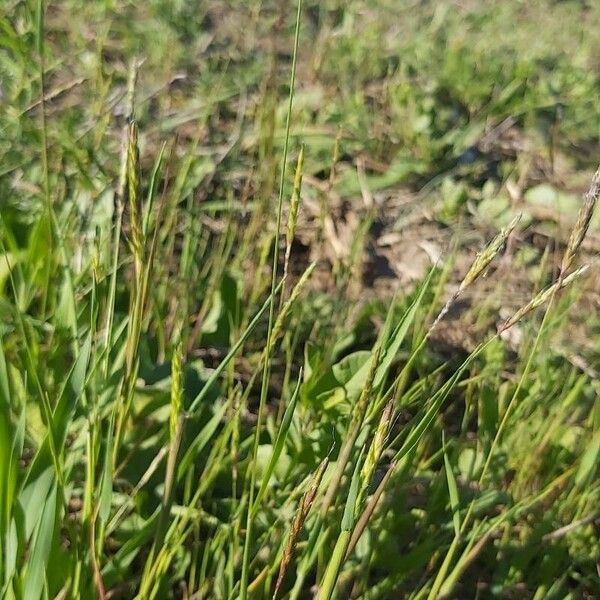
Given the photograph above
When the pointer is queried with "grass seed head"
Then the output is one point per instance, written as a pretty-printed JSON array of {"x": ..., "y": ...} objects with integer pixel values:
[
  {"x": 542, "y": 297},
  {"x": 176, "y": 389},
  {"x": 133, "y": 186},
  {"x": 285, "y": 309},
  {"x": 299, "y": 518},
  {"x": 485, "y": 257},
  {"x": 360, "y": 408},
  {"x": 376, "y": 447},
  {"x": 582, "y": 224},
  {"x": 293, "y": 214},
  {"x": 295, "y": 201}
]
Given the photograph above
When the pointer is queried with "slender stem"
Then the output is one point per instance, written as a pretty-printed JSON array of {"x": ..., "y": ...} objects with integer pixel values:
[
  {"x": 441, "y": 575},
  {"x": 267, "y": 366},
  {"x": 44, "y": 146}
]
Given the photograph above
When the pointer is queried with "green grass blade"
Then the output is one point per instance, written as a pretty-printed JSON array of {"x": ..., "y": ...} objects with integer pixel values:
[
  {"x": 35, "y": 580},
  {"x": 452, "y": 490},
  {"x": 232, "y": 352},
  {"x": 279, "y": 443}
]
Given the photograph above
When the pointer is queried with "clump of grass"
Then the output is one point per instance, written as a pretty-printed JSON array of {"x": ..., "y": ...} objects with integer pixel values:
[{"x": 180, "y": 419}]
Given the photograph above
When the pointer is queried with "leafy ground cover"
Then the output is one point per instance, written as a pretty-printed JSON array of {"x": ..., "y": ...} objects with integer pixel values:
[{"x": 299, "y": 301}]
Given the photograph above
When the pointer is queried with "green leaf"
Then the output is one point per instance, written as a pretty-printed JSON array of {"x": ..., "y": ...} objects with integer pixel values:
[
  {"x": 232, "y": 352},
  {"x": 589, "y": 462},
  {"x": 348, "y": 184},
  {"x": 351, "y": 373},
  {"x": 312, "y": 358},
  {"x": 224, "y": 313},
  {"x": 393, "y": 344},
  {"x": 11, "y": 549},
  {"x": 36, "y": 568},
  {"x": 346, "y": 379},
  {"x": 201, "y": 440},
  {"x": 425, "y": 418},
  {"x": 72, "y": 392},
  {"x": 31, "y": 497},
  {"x": 350, "y": 507},
  {"x": 106, "y": 486},
  {"x": 279, "y": 443},
  {"x": 452, "y": 490},
  {"x": 63, "y": 413},
  {"x": 4, "y": 391},
  {"x": 151, "y": 190}
]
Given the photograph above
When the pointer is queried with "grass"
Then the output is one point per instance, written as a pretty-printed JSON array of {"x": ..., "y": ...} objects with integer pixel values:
[{"x": 242, "y": 251}]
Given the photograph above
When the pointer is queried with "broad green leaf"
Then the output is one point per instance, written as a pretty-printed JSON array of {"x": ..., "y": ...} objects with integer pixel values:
[
  {"x": 65, "y": 311},
  {"x": 312, "y": 357},
  {"x": 351, "y": 373},
  {"x": 348, "y": 183},
  {"x": 224, "y": 312},
  {"x": 63, "y": 413},
  {"x": 36, "y": 567},
  {"x": 32, "y": 495}
]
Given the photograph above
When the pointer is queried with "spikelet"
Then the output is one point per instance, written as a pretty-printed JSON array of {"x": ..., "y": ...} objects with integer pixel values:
[
  {"x": 362, "y": 403},
  {"x": 376, "y": 447},
  {"x": 176, "y": 390},
  {"x": 129, "y": 111},
  {"x": 375, "y": 451},
  {"x": 299, "y": 519},
  {"x": 133, "y": 187},
  {"x": 479, "y": 265},
  {"x": 542, "y": 297},
  {"x": 583, "y": 222},
  {"x": 485, "y": 257},
  {"x": 285, "y": 309},
  {"x": 293, "y": 214}
]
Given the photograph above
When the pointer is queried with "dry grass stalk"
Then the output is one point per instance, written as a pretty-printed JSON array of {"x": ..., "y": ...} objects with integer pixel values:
[
  {"x": 479, "y": 265},
  {"x": 304, "y": 507},
  {"x": 582, "y": 224},
  {"x": 542, "y": 297}
]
